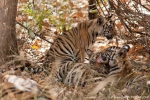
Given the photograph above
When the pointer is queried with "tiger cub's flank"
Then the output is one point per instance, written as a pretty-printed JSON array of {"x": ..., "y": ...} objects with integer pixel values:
[
  {"x": 72, "y": 73},
  {"x": 72, "y": 45}
]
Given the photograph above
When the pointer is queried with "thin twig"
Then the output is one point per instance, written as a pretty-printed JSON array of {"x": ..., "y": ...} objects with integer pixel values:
[
  {"x": 100, "y": 7},
  {"x": 33, "y": 32}
]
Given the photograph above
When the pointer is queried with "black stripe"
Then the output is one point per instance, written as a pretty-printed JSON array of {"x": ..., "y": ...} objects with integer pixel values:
[
  {"x": 114, "y": 68},
  {"x": 58, "y": 53},
  {"x": 20, "y": 92},
  {"x": 70, "y": 42},
  {"x": 61, "y": 48},
  {"x": 90, "y": 24},
  {"x": 70, "y": 33}
]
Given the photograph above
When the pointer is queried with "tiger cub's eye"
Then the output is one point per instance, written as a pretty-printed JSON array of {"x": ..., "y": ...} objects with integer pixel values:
[
  {"x": 92, "y": 62},
  {"x": 104, "y": 58}
]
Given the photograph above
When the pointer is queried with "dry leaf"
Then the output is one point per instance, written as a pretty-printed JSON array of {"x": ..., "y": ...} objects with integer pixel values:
[
  {"x": 44, "y": 23},
  {"x": 139, "y": 47},
  {"x": 136, "y": 57},
  {"x": 18, "y": 19},
  {"x": 56, "y": 32},
  {"x": 37, "y": 44},
  {"x": 56, "y": 4},
  {"x": 70, "y": 3},
  {"x": 132, "y": 50},
  {"x": 47, "y": 28},
  {"x": 78, "y": 14},
  {"x": 124, "y": 1},
  {"x": 35, "y": 47},
  {"x": 119, "y": 25}
]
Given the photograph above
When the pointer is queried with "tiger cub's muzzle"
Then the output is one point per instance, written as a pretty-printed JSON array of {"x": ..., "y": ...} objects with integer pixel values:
[{"x": 109, "y": 36}]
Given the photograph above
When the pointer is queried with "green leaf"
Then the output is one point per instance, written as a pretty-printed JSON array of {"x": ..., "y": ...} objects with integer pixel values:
[{"x": 31, "y": 34}]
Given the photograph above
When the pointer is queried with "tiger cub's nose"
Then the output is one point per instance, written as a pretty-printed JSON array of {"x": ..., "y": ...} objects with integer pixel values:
[{"x": 109, "y": 36}]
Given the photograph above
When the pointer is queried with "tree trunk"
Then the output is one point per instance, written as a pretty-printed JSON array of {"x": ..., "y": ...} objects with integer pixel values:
[
  {"x": 8, "y": 41},
  {"x": 93, "y": 13}
]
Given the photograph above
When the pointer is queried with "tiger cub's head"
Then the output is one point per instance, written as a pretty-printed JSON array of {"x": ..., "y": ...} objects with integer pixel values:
[
  {"x": 101, "y": 27},
  {"x": 110, "y": 60},
  {"x": 120, "y": 64},
  {"x": 97, "y": 61}
]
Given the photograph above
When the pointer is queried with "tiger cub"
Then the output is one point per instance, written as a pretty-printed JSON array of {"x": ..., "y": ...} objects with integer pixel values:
[{"x": 72, "y": 45}]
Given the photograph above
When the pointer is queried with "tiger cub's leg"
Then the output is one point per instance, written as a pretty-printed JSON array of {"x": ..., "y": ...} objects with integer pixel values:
[{"x": 78, "y": 74}]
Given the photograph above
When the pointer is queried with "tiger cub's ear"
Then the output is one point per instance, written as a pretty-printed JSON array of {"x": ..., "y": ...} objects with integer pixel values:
[
  {"x": 123, "y": 51},
  {"x": 127, "y": 47},
  {"x": 100, "y": 20}
]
